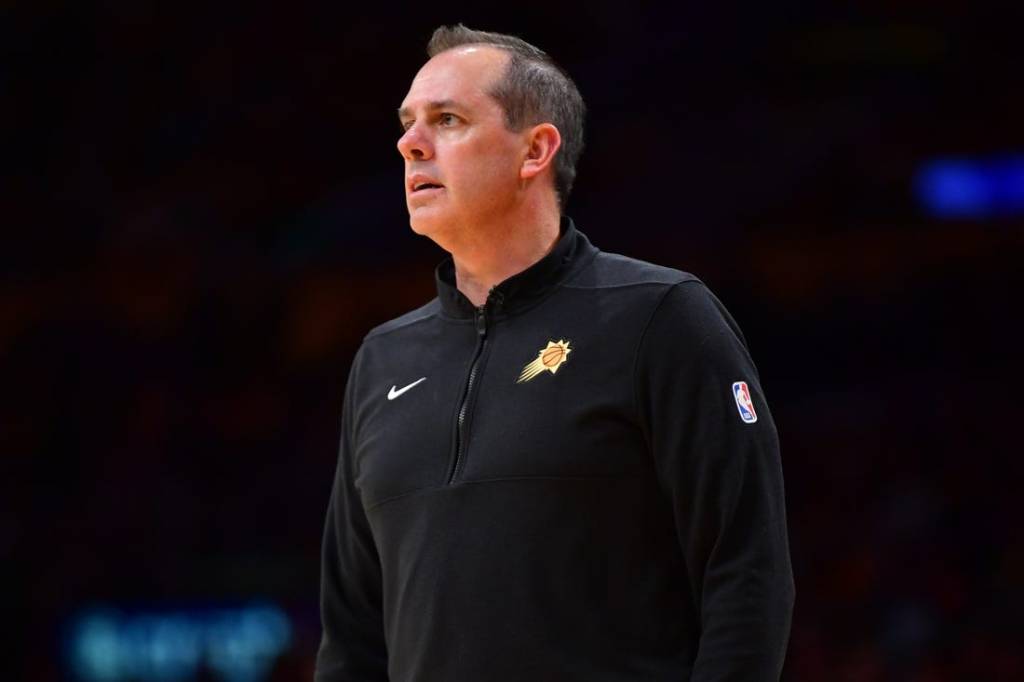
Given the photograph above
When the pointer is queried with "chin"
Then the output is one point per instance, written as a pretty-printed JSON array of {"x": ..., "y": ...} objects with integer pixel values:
[
  {"x": 425, "y": 219},
  {"x": 421, "y": 226},
  {"x": 424, "y": 225},
  {"x": 432, "y": 226}
]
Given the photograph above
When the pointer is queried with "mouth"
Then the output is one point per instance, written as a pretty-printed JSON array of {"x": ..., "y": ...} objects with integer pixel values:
[{"x": 424, "y": 186}]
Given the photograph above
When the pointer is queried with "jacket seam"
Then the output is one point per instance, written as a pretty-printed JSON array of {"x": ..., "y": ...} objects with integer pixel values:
[
  {"x": 432, "y": 488},
  {"x": 636, "y": 358},
  {"x": 426, "y": 317},
  {"x": 626, "y": 285}
]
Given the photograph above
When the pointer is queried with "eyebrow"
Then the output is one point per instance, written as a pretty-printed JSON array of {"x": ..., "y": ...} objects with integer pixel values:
[{"x": 406, "y": 112}]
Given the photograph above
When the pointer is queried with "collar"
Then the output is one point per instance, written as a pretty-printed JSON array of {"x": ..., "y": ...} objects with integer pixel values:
[{"x": 518, "y": 292}]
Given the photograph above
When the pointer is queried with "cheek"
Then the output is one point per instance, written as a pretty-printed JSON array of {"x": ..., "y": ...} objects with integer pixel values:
[{"x": 492, "y": 172}]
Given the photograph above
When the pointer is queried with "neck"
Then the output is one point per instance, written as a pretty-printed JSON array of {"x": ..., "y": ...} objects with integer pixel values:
[{"x": 501, "y": 251}]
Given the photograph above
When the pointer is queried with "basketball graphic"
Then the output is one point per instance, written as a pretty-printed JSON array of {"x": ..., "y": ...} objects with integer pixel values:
[
  {"x": 552, "y": 356},
  {"x": 549, "y": 358}
]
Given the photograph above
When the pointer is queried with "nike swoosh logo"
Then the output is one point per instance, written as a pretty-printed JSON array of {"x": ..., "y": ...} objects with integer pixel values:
[{"x": 392, "y": 394}]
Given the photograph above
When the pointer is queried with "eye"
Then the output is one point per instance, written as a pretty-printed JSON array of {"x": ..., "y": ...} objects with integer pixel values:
[{"x": 447, "y": 119}]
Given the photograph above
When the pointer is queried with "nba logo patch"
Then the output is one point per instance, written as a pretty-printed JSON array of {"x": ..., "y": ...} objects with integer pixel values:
[{"x": 743, "y": 402}]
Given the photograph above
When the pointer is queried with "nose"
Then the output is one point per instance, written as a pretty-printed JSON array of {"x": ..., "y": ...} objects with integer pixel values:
[{"x": 414, "y": 144}]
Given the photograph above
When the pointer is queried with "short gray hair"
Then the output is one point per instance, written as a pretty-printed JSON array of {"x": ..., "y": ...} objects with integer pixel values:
[{"x": 533, "y": 89}]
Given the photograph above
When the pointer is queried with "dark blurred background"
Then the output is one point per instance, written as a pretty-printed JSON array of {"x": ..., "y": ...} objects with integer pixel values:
[{"x": 203, "y": 213}]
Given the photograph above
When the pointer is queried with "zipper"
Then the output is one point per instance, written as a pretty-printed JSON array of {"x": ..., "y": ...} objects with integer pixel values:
[{"x": 461, "y": 426}]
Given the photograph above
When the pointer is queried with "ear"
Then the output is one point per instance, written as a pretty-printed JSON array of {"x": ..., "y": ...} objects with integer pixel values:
[{"x": 543, "y": 142}]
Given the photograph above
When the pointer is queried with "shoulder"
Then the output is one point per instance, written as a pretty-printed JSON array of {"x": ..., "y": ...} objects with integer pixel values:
[
  {"x": 688, "y": 315},
  {"x": 672, "y": 300},
  {"x": 408, "y": 321},
  {"x": 612, "y": 270},
  {"x": 642, "y": 285},
  {"x": 384, "y": 338}
]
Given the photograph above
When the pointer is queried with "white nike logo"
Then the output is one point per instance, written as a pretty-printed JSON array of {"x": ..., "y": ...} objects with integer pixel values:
[{"x": 392, "y": 394}]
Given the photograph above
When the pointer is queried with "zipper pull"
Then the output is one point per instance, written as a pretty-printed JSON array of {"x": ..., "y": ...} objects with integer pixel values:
[{"x": 481, "y": 320}]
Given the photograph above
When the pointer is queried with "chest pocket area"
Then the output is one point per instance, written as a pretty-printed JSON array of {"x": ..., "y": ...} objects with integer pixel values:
[
  {"x": 573, "y": 422},
  {"x": 403, "y": 444}
]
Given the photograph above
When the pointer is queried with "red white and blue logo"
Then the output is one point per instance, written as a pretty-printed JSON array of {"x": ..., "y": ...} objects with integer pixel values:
[{"x": 743, "y": 402}]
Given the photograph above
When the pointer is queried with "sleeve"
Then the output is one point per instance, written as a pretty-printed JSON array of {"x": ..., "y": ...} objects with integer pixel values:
[
  {"x": 723, "y": 476},
  {"x": 352, "y": 646}
]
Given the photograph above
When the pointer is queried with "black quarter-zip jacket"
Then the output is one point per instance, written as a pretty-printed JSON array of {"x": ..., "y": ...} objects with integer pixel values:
[{"x": 579, "y": 480}]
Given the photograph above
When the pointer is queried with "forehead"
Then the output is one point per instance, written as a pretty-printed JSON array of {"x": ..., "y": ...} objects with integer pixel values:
[{"x": 462, "y": 76}]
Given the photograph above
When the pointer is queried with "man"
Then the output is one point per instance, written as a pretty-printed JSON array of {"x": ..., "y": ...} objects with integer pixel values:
[{"x": 562, "y": 467}]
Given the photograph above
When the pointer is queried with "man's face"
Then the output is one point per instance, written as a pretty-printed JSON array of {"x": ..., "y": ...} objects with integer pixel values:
[{"x": 461, "y": 162}]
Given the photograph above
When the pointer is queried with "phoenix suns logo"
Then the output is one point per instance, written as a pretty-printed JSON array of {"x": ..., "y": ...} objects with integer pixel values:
[{"x": 550, "y": 358}]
